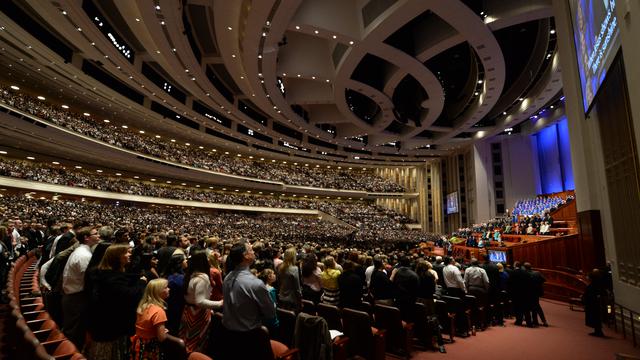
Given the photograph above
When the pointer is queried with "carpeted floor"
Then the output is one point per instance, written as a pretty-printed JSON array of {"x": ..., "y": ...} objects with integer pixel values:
[{"x": 565, "y": 338}]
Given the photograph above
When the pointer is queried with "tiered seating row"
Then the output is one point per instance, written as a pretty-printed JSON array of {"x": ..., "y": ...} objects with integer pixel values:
[{"x": 37, "y": 336}]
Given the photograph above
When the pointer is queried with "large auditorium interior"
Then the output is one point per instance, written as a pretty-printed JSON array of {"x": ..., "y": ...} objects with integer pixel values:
[{"x": 319, "y": 179}]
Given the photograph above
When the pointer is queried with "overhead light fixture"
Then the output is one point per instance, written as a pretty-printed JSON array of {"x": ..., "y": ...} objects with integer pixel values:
[
  {"x": 553, "y": 31},
  {"x": 157, "y": 7},
  {"x": 106, "y": 121},
  {"x": 78, "y": 167},
  {"x": 297, "y": 27},
  {"x": 15, "y": 87},
  {"x": 229, "y": 28},
  {"x": 86, "y": 114},
  {"x": 65, "y": 106},
  {"x": 125, "y": 127},
  {"x": 41, "y": 98}
]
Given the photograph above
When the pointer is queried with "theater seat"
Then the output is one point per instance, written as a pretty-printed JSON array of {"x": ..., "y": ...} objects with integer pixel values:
[
  {"x": 279, "y": 350},
  {"x": 199, "y": 356},
  {"x": 364, "y": 339},
  {"x": 398, "y": 333},
  {"x": 331, "y": 314}
]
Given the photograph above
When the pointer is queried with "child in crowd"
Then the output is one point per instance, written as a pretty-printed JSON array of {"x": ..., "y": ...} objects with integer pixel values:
[
  {"x": 150, "y": 324},
  {"x": 268, "y": 277}
]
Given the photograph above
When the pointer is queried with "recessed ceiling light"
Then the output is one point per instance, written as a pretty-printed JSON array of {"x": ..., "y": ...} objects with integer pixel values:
[
  {"x": 553, "y": 31},
  {"x": 229, "y": 28},
  {"x": 79, "y": 29},
  {"x": 480, "y": 81},
  {"x": 41, "y": 98},
  {"x": 157, "y": 7},
  {"x": 99, "y": 170},
  {"x": 233, "y": 55},
  {"x": 107, "y": 121},
  {"x": 316, "y": 31},
  {"x": 334, "y": 36},
  {"x": 125, "y": 127},
  {"x": 504, "y": 113},
  {"x": 65, "y": 106},
  {"x": 55, "y": 163},
  {"x": 138, "y": 20},
  {"x": 118, "y": 174},
  {"x": 78, "y": 167},
  {"x": 297, "y": 27},
  {"x": 86, "y": 114},
  {"x": 136, "y": 177},
  {"x": 64, "y": 12},
  {"x": 153, "y": 179},
  {"x": 141, "y": 131},
  {"x": 351, "y": 42},
  {"x": 15, "y": 87},
  {"x": 173, "y": 140}
]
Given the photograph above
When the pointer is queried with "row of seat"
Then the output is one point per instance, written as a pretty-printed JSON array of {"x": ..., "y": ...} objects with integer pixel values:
[
  {"x": 457, "y": 316},
  {"x": 37, "y": 336}
]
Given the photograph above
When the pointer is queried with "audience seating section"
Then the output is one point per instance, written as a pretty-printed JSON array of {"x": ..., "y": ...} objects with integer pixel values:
[{"x": 37, "y": 336}]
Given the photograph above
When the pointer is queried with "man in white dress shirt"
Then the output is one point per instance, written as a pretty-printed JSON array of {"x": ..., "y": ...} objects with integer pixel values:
[{"x": 74, "y": 299}]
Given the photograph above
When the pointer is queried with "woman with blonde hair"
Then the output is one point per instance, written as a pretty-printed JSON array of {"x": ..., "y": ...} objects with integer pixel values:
[
  {"x": 150, "y": 324},
  {"x": 112, "y": 302},
  {"x": 215, "y": 275},
  {"x": 290, "y": 294},
  {"x": 329, "y": 280}
]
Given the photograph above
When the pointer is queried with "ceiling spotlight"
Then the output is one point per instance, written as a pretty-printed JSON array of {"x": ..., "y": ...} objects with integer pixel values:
[
  {"x": 229, "y": 28},
  {"x": 316, "y": 32},
  {"x": 40, "y": 97},
  {"x": 297, "y": 27},
  {"x": 553, "y": 31},
  {"x": 55, "y": 163},
  {"x": 106, "y": 121},
  {"x": 334, "y": 36},
  {"x": 65, "y": 106},
  {"x": 86, "y": 114},
  {"x": 31, "y": 158},
  {"x": 125, "y": 127},
  {"x": 78, "y": 167},
  {"x": 480, "y": 81},
  {"x": 157, "y": 7},
  {"x": 118, "y": 174},
  {"x": 15, "y": 87}
]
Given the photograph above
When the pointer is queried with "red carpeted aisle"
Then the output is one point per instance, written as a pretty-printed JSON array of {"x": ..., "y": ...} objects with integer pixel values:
[{"x": 565, "y": 338}]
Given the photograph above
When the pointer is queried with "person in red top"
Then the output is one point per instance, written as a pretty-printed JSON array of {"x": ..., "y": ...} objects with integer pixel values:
[{"x": 150, "y": 324}]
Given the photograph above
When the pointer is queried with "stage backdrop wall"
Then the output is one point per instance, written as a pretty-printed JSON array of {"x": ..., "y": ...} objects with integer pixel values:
[{"x": 554, "y": 158}]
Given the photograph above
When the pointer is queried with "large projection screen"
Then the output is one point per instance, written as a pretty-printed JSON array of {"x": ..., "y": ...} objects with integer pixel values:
[{"x": 596, "y": 36}]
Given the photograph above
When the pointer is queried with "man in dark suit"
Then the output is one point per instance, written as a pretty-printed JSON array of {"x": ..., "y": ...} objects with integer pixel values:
[
  {"x": 538, "y": 290},
  {"x": 520, "y": 289}
]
